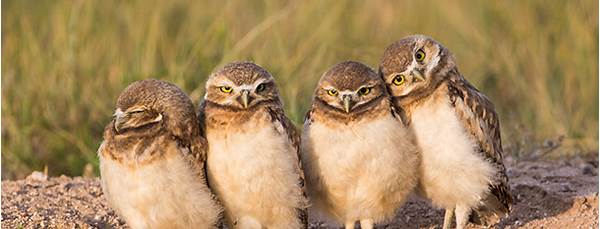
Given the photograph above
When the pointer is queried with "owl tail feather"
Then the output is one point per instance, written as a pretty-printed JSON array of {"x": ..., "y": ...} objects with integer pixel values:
[
  {"x": 494, "y": 208},
  {"x": 485, "y": 217}
]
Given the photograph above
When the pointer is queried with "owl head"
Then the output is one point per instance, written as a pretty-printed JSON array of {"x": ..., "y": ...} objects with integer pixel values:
[
  {"x": 241, "y": 86},
  {"x": 349, "y": 88},
  {"x": 150, "y": 105},
  {"x": 414, "y": 65}
]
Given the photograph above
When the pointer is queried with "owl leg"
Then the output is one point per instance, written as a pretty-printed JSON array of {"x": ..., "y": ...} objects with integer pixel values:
[
  {"x": 349, "y": 225},
  {"x": 366, "y": 224},
  {"x": 448, "y": 218},
  {"x": 462, "y": 216}
]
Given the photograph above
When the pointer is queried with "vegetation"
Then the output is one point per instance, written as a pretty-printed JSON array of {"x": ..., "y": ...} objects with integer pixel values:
[{"x": 64, "y": 62}]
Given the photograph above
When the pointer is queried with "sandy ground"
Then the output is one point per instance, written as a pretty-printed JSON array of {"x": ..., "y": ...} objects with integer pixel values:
[{"x": 549, "y": 194}]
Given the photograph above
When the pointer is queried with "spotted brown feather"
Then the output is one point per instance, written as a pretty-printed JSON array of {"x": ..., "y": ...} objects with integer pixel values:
[
  {"x": 278, "y": 116},
  {"x": 478, "y": 113}
]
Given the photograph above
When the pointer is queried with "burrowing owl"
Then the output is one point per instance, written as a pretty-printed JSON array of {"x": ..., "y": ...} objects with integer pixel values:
[
  {"x": 152, "y": 160},
  {"x": 361, "y": 163},
  {"x": 456, "y": 127},
  {"x": 253, "y": 163}
]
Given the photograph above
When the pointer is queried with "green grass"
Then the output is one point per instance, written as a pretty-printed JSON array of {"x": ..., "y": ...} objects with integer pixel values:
[{"x": 64, "y": 62}]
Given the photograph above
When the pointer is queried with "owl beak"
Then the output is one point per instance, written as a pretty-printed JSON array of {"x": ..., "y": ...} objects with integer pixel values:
[
  {"x": 245, "y": 98},
  {"x": 347, "y": 103},
  {"x": 417, "y": 75},
  {"x": 122, "y": 122},
  {"x": 119, "y": 121}
]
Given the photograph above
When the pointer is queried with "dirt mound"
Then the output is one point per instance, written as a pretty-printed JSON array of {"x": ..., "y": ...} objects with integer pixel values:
[
  {"x": 61, "y": 202},
  {"x": 548, "y": 194}
]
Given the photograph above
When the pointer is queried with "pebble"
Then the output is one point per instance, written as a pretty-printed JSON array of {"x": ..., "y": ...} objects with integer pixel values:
[
  {"x": 588, "y": 170},
  {"x": 37, "y": 176}
]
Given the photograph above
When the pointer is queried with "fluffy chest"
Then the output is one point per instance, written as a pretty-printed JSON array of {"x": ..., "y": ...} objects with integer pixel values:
[
  {"x": 141, "y": 181},
  {"x": 361, "y": 169},
  {"x": 249, "y": 144},
  {"x": 252, "y": 169},
  {"x": 252, "y": 153},
  {"x": 449, "y": 156},
  {"x": 138, "y": 193},
  {"x": 440, "y": 133},
  {"x": 363, "y": 149},
  {"x": 356, "y": 139}
]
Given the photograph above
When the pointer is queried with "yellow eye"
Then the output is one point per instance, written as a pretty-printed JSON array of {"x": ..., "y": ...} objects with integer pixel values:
[
  {"x": 398, "y": 80},
  {"x": 332, "y": 92},
  {"x": 364, "y": 91},
  {"x": 420, "y": 55},
  {"x": 226, "y": 89}
]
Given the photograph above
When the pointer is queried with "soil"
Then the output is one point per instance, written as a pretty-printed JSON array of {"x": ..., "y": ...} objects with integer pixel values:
[{"x": 548, "y": 194}]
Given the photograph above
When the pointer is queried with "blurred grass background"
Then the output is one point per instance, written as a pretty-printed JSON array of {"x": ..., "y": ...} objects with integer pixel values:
[{"x": 64, "y": 62}]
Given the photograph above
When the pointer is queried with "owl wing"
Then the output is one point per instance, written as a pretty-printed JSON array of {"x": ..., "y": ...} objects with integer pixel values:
[
  {"x": 195, "y": 153},
  {"x": 202, "y": 118},
  {"x": 308, "y": 117},
  {"x": 399, "y": 114},
  {"x": 192, "y": 144},
  {"x": 479, "y": 117},
  {"x": 278, "y": 116}
]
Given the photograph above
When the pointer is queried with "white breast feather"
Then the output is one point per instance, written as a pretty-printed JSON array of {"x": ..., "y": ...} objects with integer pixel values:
[
  {"x": 163, "y": 194},
  {"x": 452, "y": 172},
  {"x": 254, "y": 175},
  {"x": 364, "y": 170}
]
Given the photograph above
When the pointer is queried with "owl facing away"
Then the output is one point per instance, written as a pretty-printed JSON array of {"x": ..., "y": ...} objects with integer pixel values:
[
  {"x": 360, "y": 161},
  {"x": 253, "y": 163},
  {"x": 457, "y": 130},
  {"x": 152, "y": 160}
]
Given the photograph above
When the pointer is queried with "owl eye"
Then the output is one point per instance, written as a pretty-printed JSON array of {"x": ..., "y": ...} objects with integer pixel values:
[
  {"x": 261, "y": 87},
  {"x": 136, "y": 111},
  {"x": 332, "y": 92},
  {"x": 226, "y": 89},
  {"x": 420, "y": 55},
  {"x": 364, "y": 91},
  {"x": 398, "y": 80}
]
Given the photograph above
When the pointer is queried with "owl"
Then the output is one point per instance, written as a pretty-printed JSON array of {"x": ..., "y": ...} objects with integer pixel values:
[
  {"x": 253, "y": 161},
  {"x": 457, "y": 130},
  {"x": 152, "y": 160},
  {"x": 361, "y": 162}
]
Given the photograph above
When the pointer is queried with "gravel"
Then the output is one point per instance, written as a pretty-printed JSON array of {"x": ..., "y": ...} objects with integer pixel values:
[{"x": 549, "y": 194}]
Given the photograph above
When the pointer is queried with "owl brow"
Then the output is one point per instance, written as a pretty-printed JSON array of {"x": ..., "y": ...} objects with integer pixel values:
[
  {"x": 267, "y": 81},
  {"x": 221, "y": 82},
  {"x": 328, "y": 87},
  {"x": 416, "y": 47},
  {"x": 217, "y": 86},
  {"x": 422, "y": 48},
  {"x": 369, "y": 85}
]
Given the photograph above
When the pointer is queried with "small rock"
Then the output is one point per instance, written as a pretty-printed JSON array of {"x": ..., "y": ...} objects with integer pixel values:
[
  {"x": 518, "y": 223},
  {"x": 566, "y": 188},
  {"x": 588, "y": 170},
  {"x": 37, "y": 176}
]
